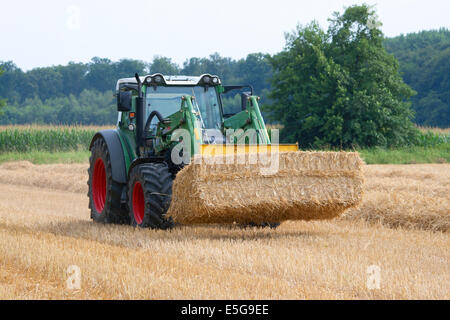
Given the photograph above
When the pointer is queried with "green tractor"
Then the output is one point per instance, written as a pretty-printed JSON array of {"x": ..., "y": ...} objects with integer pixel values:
[{"x": 134, "y": 167}]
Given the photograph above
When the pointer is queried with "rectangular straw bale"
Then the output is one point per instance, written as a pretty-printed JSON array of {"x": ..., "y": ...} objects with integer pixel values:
[{"x": 307, "y": 186}]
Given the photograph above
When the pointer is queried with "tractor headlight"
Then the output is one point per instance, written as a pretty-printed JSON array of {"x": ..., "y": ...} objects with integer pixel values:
[
  {"x": 207, "y": 79},
  {"x": 157, "y": 79}
]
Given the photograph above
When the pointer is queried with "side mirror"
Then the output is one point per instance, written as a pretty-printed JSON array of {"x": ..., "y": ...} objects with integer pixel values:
[
  {"x": 124, "y": 101},
  {"x": 244, "y": 100}
]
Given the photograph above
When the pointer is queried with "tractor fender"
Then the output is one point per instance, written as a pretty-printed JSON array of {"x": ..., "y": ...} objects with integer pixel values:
[{"x": 111, "y": 137}]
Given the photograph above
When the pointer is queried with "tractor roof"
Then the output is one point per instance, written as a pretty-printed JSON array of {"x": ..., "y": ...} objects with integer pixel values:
[{"x": 170, "y": 80}]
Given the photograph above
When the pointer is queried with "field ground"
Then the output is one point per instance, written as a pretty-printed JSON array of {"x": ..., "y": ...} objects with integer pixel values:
[{"x": 402, "y": 227}]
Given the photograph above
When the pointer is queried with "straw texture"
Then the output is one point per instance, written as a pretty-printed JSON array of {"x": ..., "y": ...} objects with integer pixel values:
[{"x": 306, "y": 186}]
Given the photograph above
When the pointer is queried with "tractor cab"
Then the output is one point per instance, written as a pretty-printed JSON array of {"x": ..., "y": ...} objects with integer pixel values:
[
  {"x": 163, "y": 96},
  {"x": 152, "y": 107}
]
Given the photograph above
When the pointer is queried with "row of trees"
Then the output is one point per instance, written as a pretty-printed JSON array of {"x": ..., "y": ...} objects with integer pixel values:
[
  {"x": 90, "y": 107},
  {"x": 424, "y": 64},
  {"x": 83, "y": 93},
  {"x": 424, "y": 59},
  {"x": 2, "y": 101},
  {"x": 102, "y": 74}
]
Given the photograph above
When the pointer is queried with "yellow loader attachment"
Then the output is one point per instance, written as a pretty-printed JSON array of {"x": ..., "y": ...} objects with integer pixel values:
[{"x": 257, "y": 184}]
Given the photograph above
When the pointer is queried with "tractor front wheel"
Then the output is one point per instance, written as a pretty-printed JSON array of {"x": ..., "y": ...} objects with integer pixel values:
[{"x": 149, "y": 196}]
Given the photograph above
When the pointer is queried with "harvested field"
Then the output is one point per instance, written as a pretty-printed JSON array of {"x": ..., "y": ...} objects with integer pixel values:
[
  {"x": 64, "y": 177},
  {"x": 402, "y": 227},
  {"x": 407, "y": 196}
]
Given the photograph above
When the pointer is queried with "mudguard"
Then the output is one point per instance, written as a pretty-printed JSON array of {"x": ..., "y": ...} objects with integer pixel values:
[{"x": 112, "y": 140}]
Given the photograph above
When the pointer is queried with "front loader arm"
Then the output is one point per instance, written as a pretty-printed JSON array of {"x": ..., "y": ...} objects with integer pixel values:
[
  {"x": 183, "y": 119},
  {"x": 250, "y": 118}
]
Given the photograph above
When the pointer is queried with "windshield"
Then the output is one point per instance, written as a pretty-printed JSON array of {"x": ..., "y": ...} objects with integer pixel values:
[{"x": 167, "y": 100}]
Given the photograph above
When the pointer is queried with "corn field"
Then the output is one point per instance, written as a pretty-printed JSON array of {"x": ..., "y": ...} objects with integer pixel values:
[
  {"x": 432, "y": 138},
  {"x": 45, "y": 138},
  {"x": 77, "y": 138}
]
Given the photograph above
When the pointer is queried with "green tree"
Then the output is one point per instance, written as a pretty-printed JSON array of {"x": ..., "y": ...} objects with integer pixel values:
[
  {"x": 49, "y": 81},
  {"x": 424, "y": 59},
  {"x": 126, "y": 68},
  {"x": 256, "y": 70},
  {"x": 101, "y": 74},
  {"x": 194, "y": 66},
  {"x": 2, "y": 101},
  {"x": 164, "y": 65},
  {"x": 73, "y": 76},
  {"x": 340, "y": 88}
]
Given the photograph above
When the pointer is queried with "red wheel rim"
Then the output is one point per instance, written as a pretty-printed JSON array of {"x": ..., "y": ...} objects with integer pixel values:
[
  {"x": 99, "y": 186},
  {"x": 138, "y": 203}
]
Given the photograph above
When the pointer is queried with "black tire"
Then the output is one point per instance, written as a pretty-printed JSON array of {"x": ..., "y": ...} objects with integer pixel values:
[
  {"x": 104, "y": 193},
  {"x": 173, "y": 168},
  {"x": 262, "y": 225},
  {"x": 149, "y": 196}
]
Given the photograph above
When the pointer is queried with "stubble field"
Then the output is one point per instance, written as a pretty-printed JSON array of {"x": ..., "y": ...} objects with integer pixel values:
[{"x": 401, "y": 228}]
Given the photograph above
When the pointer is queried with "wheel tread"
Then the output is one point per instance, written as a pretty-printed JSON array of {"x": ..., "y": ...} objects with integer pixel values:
[
  {"x": 156, "y": 181},
  {"x": 114, "y": 212}
]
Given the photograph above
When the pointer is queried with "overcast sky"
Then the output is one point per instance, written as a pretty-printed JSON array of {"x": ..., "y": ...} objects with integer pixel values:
[{"x": 48, "y": 32}]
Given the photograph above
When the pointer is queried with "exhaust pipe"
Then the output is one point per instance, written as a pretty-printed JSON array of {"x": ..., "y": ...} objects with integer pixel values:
[{"x": 140, "y": 114}]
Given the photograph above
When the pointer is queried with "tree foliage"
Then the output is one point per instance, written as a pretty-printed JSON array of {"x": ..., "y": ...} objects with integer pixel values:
[
  {"x": 164, "y": 65},
  {"x": 2, "y": 101},
  {"x": 89, "y": 107},
  {"x": 83, "y": 93},
  {"x": 340, "y": 87},
  {"x": 424, "y": 59}
]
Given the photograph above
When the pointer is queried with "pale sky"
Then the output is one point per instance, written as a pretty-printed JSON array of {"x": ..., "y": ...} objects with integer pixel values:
[{"x": 52, "y": 32}]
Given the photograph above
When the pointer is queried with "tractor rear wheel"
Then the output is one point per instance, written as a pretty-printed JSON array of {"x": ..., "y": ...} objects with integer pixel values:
[
  {"x": 104, "y": 193},
  {"x": 149, "y": 196}
]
